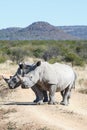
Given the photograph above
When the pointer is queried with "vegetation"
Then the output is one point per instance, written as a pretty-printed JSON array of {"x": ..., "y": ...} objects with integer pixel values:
[{"x": 50, "y": 50}]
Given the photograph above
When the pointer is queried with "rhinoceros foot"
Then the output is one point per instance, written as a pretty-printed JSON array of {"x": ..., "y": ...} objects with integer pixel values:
[
  {"x": 45, "y": 100},
  {"x": 36, "y": 100},
  {"x": 52, "y": 103},
  {"x": 64, "y": 103},
  {"x": 40, "y": 102}
]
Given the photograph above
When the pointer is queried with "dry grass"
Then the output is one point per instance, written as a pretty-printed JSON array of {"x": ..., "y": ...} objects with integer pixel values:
[
  {"x": 7, "y": 69},
  {"x": 81, "y": 82}
]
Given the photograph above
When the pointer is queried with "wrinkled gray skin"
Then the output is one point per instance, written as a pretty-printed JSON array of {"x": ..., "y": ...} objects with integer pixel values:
[
  {"x": 14, "y": 82},
  {"x": 52, "y": 78}
]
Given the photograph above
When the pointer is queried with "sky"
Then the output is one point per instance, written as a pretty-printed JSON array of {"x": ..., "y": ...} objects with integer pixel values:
[{"x": 22, "y": 13}]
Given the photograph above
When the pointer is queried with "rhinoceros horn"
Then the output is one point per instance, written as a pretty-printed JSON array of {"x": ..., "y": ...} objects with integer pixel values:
[
  {"x": 6, "y": 79},
  {"x": 20, "y": 77}
]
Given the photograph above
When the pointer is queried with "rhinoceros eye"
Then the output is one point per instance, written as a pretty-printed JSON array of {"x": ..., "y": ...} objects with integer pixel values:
[{"x": 31, "y": 76}]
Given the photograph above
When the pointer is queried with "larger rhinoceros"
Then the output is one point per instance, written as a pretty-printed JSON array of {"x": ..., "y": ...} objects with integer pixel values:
[
  {"x": 14, "y": 82},
  {"x": 51, "y": 77}
]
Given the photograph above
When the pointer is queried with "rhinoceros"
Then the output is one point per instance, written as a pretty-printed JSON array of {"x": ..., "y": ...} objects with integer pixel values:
[
  {"x": 52, "y": 78},
  {"x": 14, "y": 82}
]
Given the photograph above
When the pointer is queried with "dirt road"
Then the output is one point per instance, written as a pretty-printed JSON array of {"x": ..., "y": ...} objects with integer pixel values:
[
  {"x": 43, "y": 117},
  {"x": 17, "y": 112}
]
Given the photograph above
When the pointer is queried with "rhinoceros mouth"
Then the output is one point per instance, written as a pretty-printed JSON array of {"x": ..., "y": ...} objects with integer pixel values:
[
  {"x": 24, "y": 87},
  {"x": 14, "y": 87}
]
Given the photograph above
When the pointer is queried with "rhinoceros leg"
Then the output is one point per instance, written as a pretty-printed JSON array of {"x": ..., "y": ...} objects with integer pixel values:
[
  {"x": 69, "y": 95},
  {"x": 66, "y": 96},
  {"x": 62, "y": 94},
  {"x": 45, "y": 96},
  {"x": 39, "y": 95},
  {"x": 52, "y": 95}
]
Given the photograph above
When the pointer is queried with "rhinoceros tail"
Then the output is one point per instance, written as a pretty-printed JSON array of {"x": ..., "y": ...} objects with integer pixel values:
[{"x": 74, "y": 80}]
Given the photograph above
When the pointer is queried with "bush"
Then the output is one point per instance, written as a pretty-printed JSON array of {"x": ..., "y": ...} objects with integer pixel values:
[
  {"x": 17, "y": 55},
  {"x": 50, "y": 50},
  {"x": 74, "y": 59},
  {"x": 51, "y": 53},
  {"x": 38, "y": 52},
  {"x": 53, "y": 60}
]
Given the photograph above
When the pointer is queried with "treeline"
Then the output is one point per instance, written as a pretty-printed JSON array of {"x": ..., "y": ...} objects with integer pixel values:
[{"x": 51, "y": 51}]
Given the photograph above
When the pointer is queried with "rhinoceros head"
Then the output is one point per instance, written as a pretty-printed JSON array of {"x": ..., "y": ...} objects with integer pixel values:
[
  {"x": 32, "y": 77},
  {"x": 14, "y": 82}
]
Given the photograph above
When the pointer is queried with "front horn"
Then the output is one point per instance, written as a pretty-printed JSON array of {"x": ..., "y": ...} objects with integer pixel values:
[
  {"x": 6, "y": 80},
  {"x": 20, "y": 77}
]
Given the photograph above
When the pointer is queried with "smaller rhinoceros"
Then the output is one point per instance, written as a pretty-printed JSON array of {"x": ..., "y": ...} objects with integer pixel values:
[
  {"x": 14, "y": 82},
  {"x": 51, "y": 77}
]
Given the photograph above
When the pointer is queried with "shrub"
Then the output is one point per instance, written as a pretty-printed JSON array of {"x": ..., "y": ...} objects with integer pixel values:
[
  {"x": 50, "y": 50},
  {"x": 51, "y": 53},
  {"x": 74, "y": 59},
  {"x": 17, "y": 55},
  {"x": 38, "y": 52},
  {"x": 56, "y": 59}
]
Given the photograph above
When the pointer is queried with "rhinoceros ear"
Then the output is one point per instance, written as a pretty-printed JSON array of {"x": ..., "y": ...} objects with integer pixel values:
[
  {"x": 6, "y": 80},
  {"x": 38, "y": 63},
  {"x": 21, "y": 65}
]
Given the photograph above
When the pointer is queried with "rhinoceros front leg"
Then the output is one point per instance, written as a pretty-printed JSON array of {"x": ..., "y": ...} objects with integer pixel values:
[
  {"x": 39, "y": 95},
  {"x": 52, "y": 95},
  {"x": 45, "y": 96}
]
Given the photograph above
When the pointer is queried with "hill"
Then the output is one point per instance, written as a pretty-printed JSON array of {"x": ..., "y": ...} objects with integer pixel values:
[
  {"x": 36, "y": 31},
  {"x": 5, "y": 34},
  {"x": 78, "y": 31}
]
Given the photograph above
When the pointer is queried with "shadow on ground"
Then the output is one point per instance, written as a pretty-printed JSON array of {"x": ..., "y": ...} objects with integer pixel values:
[{"x": 19, "y": 103}]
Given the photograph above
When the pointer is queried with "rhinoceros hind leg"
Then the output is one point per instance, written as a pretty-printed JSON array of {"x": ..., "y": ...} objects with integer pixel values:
[
  {"x": 66, "y": 96},
  {"x": 63, "y": 103}
]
